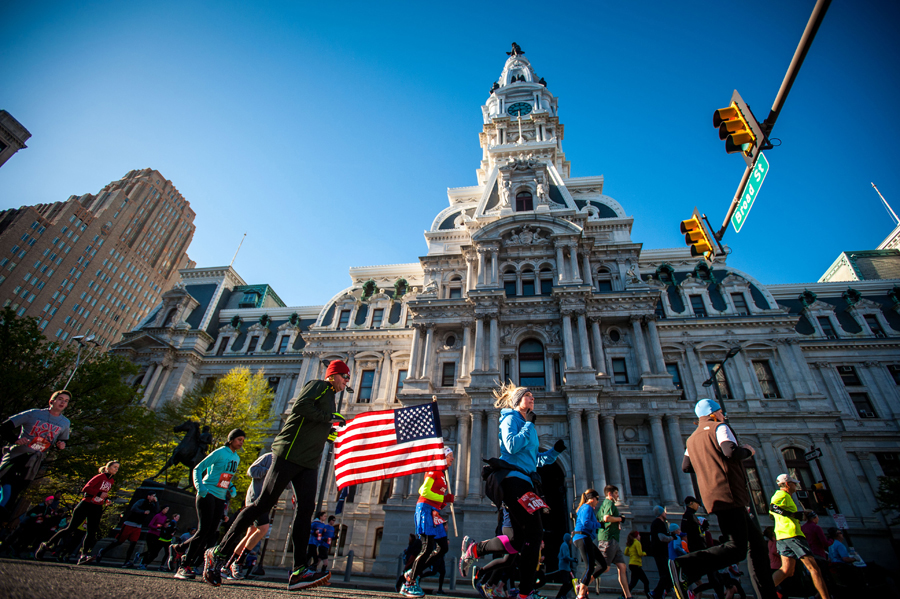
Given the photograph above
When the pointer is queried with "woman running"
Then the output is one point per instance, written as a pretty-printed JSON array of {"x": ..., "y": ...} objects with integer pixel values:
[
  {"x": 586, "y": 527},
  {"x": 635, "y": 553},
  {"x": 90, "y": 508},
  {"x": 519, "y": 446}
]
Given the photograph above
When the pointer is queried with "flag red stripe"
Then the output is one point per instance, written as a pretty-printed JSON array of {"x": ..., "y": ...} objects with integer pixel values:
[{"x": 419, "y": 451}]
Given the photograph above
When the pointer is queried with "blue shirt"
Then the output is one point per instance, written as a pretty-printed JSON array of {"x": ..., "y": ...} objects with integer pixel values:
[
  {"x": 319, "y": 533},
  {"x": 519, "y": 444},
  {"x": 586, "y": 522},
  {"x": 837, "y": 552},
  {"x": 220, "y": 466},
  {"x": 676, "y": 548}
]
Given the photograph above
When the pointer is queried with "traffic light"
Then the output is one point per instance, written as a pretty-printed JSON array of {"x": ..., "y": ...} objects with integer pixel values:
[
  {"x": 695, "y": 235},
  {"x": 738, "y": 128}
]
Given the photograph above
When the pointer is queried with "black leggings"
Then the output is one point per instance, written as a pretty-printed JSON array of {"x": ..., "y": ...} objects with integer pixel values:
[
  {"x": 432, "y": 550},
  {"x": 590, "y": 555},
  {"x": 210, "y": 510},
  {"x": 304, "y": 483},
  {"x": 154, "y": 545},
  {"x": 563, "y": 577},
  {"x": 85, "y": 510},
  {"x": 638, "y": 575},
  {"x": 665, "y": 579}
]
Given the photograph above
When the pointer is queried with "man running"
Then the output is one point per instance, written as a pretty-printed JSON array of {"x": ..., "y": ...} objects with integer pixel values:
[
  {"x": 297, "y": 451},
  {"x": 608, "y": 536},
  {"x": 141, "y": 512},
  {"x": 257, "y": 471},
  {"x": 31, "y": 434}
]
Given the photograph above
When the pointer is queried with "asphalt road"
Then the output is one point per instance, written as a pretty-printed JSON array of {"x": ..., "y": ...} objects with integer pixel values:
[{"x": 28, "y": 579}]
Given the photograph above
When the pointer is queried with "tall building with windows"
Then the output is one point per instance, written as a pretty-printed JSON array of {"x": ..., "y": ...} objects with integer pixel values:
[
  {"x": 95, "y": 264},
  {"x": 531, "y": 275}
]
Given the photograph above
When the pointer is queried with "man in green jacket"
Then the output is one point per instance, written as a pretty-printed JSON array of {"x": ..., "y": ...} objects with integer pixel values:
[{"x": 297, "y": 450}]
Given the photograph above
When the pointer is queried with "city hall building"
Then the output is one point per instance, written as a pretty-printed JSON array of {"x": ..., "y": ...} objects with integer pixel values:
[{"x": 531, "y": 275}]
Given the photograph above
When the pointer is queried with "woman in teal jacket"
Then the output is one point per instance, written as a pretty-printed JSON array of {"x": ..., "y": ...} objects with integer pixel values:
[{"x": 212, "y": 477}]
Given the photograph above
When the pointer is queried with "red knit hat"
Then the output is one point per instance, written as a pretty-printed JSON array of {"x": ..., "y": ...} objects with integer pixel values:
[{"x": 336, "y": 367}]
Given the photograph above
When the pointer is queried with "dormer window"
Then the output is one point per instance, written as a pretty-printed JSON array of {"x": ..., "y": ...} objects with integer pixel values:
[
  {"x": 524, "y": 202},
  {"x": 604, "y": 280}
]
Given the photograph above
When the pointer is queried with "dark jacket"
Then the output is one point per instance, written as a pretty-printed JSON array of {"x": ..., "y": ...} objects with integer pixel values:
[
  {"x": 721, "y": 477},
  {"x": 690, "y": 524},
  {"x": 305, "y": 431}
]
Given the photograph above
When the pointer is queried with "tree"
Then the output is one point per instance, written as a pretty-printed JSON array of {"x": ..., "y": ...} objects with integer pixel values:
[
  {"x": 888, "y": 497},
  {"x": 240, "y": 399}
]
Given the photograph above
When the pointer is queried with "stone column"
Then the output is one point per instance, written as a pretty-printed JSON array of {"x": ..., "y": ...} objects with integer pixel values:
[
  {"x": 868, "y": 463},
  {"x": 592, "y": 418},
  {"x": 411, "y": 370},
  {"x": 583, "y": 342},
  {"x": 387, "y": 367},
  {"x": 513, "y": 369},
  {"x": 573, "y": 262},
  {"x": 662, "y": 459},
  {"x": 803, "y": 366},
  {"x": 152, "y": 374},
  {"x": 599, "y": 358},
  {"x": 493, "y": 434},
  {"x": 576, "y": 437},
  {"x": 611, "y": 448},
  {"x": 495, "y": 342},
  {"x": 639, "y": 347},
  {"x": 878, "y": 379},
  {"x": 398, "y": 488},
  {"x": 148, "y": 390},
  {"x": 429, "y": 350},
  {"x": 462, "y": 460},
  {"x": 586, "y": 271},
  {"x": 481, "y": 268},
  {"x": 835, "y": 468},
  {"x": 479, "y": 343},
  {"x": 560, "y": 265},
  {"x": 655, "y": 346},
  {"x": 466, "y": 350},
  {"x": 774, "y": 466},
  {"x": 696, "y": 372},
  {"x": 550, "y": 372},
  {"x": 567, "y": 341},
  {"x": 788, "y": 366},
  {"x": 469, "y": 269},
  {"x": 157, "y": 393},
  {"x": 676, "y": 446},
  {"x": 494, "y": 268},
  {"x": 474, "y": 488}
]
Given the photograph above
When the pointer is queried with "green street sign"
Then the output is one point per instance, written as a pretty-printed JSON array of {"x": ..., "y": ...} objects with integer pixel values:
[{"x": 757, "y": 176}]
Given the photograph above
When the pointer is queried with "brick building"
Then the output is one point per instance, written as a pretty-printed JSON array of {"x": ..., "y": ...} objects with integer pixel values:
[{"x": 97, "y": 263}]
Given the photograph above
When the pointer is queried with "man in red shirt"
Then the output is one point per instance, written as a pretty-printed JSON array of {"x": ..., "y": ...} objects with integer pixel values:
[{"x": 815, "y": 536}]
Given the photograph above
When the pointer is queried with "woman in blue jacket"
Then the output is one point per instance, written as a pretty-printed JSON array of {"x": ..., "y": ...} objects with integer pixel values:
[
  {"x": 586, "y": 527},
  {"x": 519, "y": 446}
]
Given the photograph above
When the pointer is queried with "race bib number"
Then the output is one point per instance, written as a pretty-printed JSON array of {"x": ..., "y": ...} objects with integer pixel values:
[
  {"x": 224, "y": 480},
  {"x": 39, "y": 444},
  {"x": 319, "y": 534},
  {"x": 531, "y": 502},
  {"x": 99, "y": 498},
  {"x": 436, "y": 517}
]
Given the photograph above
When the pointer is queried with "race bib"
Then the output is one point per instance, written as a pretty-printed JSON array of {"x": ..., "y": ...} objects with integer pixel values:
[
  {"x": 319, "y": 534},
  {"x": 224, "y": 480},
  {"x": 438, "y": 521},
  {"x": 99, "y": 498},
  {"x": 39, "y": 444},
  {"x": 531, "y": 502}
]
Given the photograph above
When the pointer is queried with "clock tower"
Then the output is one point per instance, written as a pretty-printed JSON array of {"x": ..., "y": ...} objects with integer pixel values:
[{"x": 520, "y": 120}]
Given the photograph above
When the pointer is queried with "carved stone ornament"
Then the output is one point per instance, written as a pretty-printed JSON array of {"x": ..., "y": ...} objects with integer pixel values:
[{"x": 526, "y": 236}]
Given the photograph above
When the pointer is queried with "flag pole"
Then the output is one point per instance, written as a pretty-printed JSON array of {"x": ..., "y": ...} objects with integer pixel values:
[{"x": 452, "y": 511}]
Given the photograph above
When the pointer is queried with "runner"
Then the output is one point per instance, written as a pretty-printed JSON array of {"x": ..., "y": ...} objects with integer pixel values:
[
  {"x": 165, "y": 538},
  {"x": 434, "y": 494},
  {"x": 212, "y": 491},
  {"x": 257, "y": 472},
  {"x": 298, "y": 450},
  {"x": 519, "y": 446},
  {"x": 608, "y": 537},
  {"x": 154, "y": 542},
  {"x": 586, "y": 525},
  {"x": 95, "y": 497},
  {"x": 31, "y": 434},
  {"x": 140, "y": 514}
]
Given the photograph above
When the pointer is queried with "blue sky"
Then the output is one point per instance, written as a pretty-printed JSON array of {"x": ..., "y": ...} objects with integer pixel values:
[{"x": 330, "y": 132}]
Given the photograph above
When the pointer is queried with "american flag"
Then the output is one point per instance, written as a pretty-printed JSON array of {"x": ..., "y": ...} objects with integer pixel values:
[{"x": 388, "y": 444}]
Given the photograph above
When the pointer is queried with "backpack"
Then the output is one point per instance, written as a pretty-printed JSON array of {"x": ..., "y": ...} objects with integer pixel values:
[{"x": 495, "y": 470}]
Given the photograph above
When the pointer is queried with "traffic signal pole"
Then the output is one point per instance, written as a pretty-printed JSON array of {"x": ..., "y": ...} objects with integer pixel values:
[{"x": 815, "y": 20}]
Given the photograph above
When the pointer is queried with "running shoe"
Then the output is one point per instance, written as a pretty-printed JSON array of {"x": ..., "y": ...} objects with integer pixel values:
[
  {"x": 98, "y": 556},
  {"x": 212, "y": 564},
  {"x": 85, "y": 560},
  {"x": 412, "y": 590},
  {"x": 679, "y": 580},
  {"x": 468, "y": 556},
  {"x": 486, "y": 591},
  {"x": 307, "y": 579},
  {"x": 476, "y": 575},
  {"x": 185, "y": 573},
  {"x": 174, "y": 557},
  {"x": 41, "y": 550},
  {"x": 234, "y": 571},
  {"x": 127, "y": 565}
]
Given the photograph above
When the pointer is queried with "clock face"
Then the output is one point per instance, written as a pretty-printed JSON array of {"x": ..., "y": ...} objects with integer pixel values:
[{"x": 519, "y": 109}]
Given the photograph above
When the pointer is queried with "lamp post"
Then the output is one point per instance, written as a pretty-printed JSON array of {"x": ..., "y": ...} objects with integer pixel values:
[{"x": 82, "y": 343}]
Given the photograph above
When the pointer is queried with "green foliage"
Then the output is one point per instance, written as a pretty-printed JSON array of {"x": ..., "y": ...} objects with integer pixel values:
[
  {"x": 241, "y": 400},
  {"x": 888, "y": 497},
  {"x": 108, "y": 421}
]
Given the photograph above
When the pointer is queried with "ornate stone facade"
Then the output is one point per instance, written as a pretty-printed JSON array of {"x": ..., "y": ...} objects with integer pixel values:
[{"x": 532, "y": 276}]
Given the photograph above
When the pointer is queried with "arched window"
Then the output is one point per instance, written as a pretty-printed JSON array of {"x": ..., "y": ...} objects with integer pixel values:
[
  {"x": 528, "y": 282},
  {"x": 523, "y": 201},
  {"x": 531, "y": 364},
  {"x": 799, "y": 468},
  {"x": 604, "y": 280},
  {"x": 546, "y": 280},
  {"x": 454, "y": 290},
  {"x": 509, "y": 281}
]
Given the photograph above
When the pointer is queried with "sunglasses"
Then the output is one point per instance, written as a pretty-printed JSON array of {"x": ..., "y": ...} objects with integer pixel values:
[{"x": 346, "y": 377}]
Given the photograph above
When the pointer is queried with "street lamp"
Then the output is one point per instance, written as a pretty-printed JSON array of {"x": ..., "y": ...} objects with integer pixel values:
[{"x": 82, "y": 343}]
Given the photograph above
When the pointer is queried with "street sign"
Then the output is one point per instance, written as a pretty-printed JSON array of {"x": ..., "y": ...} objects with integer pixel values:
[
  {"x": 813, "y": 454},
  {"x": 757, "y": 176}
]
